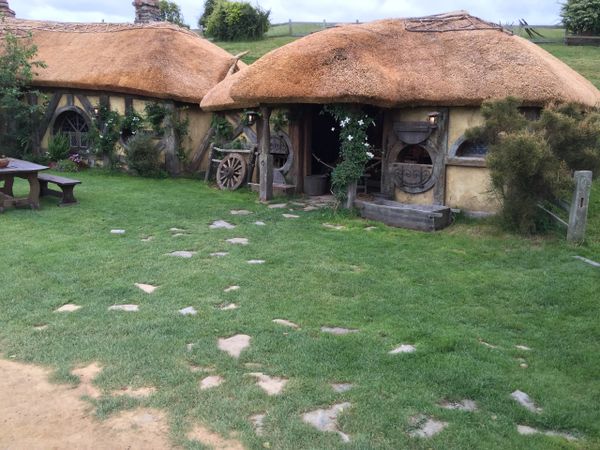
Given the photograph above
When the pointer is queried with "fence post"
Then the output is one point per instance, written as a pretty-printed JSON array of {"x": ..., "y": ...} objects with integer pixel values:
[
  {"x": 579, "y": 206},
  {"x": 290, "y": 24}
]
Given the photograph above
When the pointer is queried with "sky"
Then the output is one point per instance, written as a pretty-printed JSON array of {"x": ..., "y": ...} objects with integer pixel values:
[{"x": 535, "y": 12}]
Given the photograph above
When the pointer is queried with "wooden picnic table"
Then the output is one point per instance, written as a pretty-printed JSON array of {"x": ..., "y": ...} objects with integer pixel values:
[{"x": 27, "y": 171}]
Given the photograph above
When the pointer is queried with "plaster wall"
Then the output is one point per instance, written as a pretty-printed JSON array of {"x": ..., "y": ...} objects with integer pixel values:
[{"x": 468, "y": 188}]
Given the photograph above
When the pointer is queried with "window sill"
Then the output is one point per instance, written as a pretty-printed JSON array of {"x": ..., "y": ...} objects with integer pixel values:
[{"x": 467, "y": 162}]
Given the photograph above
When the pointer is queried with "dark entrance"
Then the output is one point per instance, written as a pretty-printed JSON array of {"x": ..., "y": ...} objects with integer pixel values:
[{"x": 74, "y": 125}]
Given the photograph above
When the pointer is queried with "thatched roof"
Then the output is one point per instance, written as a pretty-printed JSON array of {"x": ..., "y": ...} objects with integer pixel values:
[
  {"x": 453, "y": 59},
  {"x": 157, "y": 59}
]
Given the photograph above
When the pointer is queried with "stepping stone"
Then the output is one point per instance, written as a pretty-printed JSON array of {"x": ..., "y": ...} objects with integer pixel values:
[
  {"x": 40, "y": 327},
  {"x": 229, "y": 307},
  {"x": 240, "y": 212},
  {"x": 118, "y": 232},
  {"x": 234, "y": 345},
  {"x": 338, "y": 331},
  {"x": 177, "y": 230},
  {"x": 340, "y": 388},
  {"x": 211, "y": 382},
  {"x": 148, "y": 239},
  {"x": 221, "y": 224},
  {"x": 232, "y": 289},
  {"x": 147, "y": 288},
  {"x": 189, "y": 311},
  {"x": 278, "y": 206},
  {"x": 143, "y": 392},
  {"x": 425, "y": 427},
  {"x": 256, "y": 261},
  {"x": 326, "y": 419},
  {"x": 189, "y": 347},
  {"x": 522, "y": 363},
  {"x": 182, "y": 254},
  {"x": 219, "y": 254},
  {"x": 238, "y": 241},
  {"x": 180, "y": 234},
  {"x": 258, "y": 422},
  {"x": 310, "y": 208},
  {"x": 529, "y": 431},
  {"x": 370, "y": 228},
  {"x": 271, "y": 385},
  {"x": 69, "y": 307},
  {"x": 334, "y": 227},
  {"x": 463, "y": 405},
  {"x": 260, "y": 223},
  {"x": 290, "y": 216},
  {"x": 286, "y": 323},
  {"x": 587, "y": 261},
  {"x": 404, "y": 348},
  {"x": 525, "y": 401},
  {"x": 523, "y": 347},
  {"x": 485, "y": 344},
  {"x": 300, "y": 204},
  {"x": 125, "y": 308}
]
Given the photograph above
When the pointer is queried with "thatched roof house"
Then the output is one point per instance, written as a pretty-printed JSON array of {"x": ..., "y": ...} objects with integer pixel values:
[
  {"x": 453, "y": 59},
  {"x": 128, "y": 63},
  {"x": 422, "y": 80}
]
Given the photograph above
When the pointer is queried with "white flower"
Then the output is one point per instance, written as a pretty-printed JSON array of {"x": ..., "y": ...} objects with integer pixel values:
[
  {"x": 361, "y": 122},
  {"x": 332, "y": 128},
  {"x": 350, "y": 137},
  {"x": 367, "y": 144},
  {"x": 370, "y": 155}
]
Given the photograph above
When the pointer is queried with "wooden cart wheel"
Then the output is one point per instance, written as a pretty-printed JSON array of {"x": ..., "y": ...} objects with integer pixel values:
[{"x": 231, "y": 172}]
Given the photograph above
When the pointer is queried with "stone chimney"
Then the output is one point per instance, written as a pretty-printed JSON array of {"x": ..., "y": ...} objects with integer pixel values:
[
  {"x": 5, "y": 10},
  {"x": 145, "y": 11}
]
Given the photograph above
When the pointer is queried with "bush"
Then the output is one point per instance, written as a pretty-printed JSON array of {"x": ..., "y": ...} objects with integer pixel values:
[
  {"x": 143, "y": 156},
  {"x": 582, "y": 16},
  {"x": 67, "y": 165},
  {"x": 531, "y": 161},
  {"x": 59, "y": 147},
  {"x": 236, "y": 21}
]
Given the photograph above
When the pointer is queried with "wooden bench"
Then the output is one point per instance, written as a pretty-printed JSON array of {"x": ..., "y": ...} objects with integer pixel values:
[{"x": 66, "y": 185}]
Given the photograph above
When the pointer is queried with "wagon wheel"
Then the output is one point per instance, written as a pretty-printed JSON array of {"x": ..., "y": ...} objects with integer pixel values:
[{"x": 231, "y": 172}]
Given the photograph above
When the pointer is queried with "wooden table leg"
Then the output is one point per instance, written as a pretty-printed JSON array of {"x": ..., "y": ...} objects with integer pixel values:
[
  {"x": 8, "y": 185},
  {"x": 34, "y": 191}
]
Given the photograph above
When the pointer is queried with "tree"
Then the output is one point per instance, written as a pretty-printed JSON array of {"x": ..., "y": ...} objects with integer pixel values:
[
  {"x": 19, "y": 119},
  {"x": 582, "y": 16},
  {"x": 209, "y": 6},
  {"x": 236, "y": 21},
  {"x": 170, "y": 12}
]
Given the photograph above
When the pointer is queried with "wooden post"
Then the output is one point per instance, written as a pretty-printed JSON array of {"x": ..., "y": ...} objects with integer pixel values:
[
  {"x": 579, "y": 206},
  {"x": 351, "y": 196},
  {"x": 265, "y": 158}
]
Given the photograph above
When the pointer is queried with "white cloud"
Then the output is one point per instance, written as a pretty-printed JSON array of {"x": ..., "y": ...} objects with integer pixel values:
[{"x": 507, "y": 11}]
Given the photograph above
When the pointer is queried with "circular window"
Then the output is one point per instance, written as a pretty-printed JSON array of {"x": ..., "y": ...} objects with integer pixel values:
[
  {"x": 74, "y": 125},
  {"x": 470, "y": 149},
  {"x": 413, "y": 170}
]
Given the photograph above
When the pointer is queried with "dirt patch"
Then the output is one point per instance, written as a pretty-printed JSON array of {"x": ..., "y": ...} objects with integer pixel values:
[
  {"x": 36, "y": 414},
  {"x": 212, "y": 439},
  {"x": 86, "y": 377}
]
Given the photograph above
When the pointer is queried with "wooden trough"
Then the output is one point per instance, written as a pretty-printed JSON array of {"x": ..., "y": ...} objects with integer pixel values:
[{"x": 414, "y": 217}]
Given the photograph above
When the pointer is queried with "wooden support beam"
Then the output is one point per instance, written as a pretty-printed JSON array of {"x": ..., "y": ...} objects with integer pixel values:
[
  {"x": 49, "y": 114},
  {"x": 265, "y": 158}
]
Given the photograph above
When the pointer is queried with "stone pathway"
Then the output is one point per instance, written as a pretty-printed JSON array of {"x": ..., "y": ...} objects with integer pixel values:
[
  {"x": 528, "y": 431},
  {"x": 278, "y": 206},
  {"x": 238, "y": 241},
  {"x": 232, "y": 289},
  {"x": 425, "y": 427},
  {"x": 117, "y": 232},
  {"x": 260, "y": 223},
  {"x": 525, "y": 401},
  {"x": 338, "y": 331},
  {"x": 340, "y": 388},
  {"x": 189, "y": 311},
  {"x": 523, "y": 347},
  {"x": 290, "y": 216},
  {"x": 68, "y": 308},
  {"x": 147, "y": 288},
  {"x": 124, "y": 308},
  {"x": 256, "y": 262},
  {"x": 334, "y": 227},
  {"x": 488, "y": 345},
  {"x": 229, "y": 307},
  {"x": 221, "y": 224},
  {"x": 211, "y": 382},
  {"x": 404, "y": 348},
  {"x": 148, "y": 239},
  {"x": 235, "y": 345},
  {"x": 40, "y": 327},
  {"x": 286, "y": 323},
  {"x": 271, "y": 385},
  {"x": 587, "y": 261},
  {"x": 240, "y": 212},
  {"x": 463, "y": 405},
  {"x": 326, "y": 419},
  {"x": 182, "y": 254},
  {"x": 219, "y": 254}
]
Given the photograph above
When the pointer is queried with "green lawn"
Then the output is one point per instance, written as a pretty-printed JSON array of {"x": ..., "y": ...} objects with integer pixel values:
[{"x": 442, "y": 292}]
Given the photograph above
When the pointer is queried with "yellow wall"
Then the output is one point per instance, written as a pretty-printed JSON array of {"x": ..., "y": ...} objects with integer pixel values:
[
  {"x": 199, "y": 124},
  {"x": 425, "y": 198},
  {"x": 117, "y": 104},
  {"x": 461, "y": 119},
  {"x": 468, "y": 188}
]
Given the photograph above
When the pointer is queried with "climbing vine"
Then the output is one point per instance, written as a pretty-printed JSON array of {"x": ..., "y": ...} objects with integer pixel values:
[
  {"x": 355, "y": 150},
  {"x": 105, "y": 133}
]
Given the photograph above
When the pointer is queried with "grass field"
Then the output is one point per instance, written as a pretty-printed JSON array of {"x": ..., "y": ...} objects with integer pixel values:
[{"x": 441, "y": 292}]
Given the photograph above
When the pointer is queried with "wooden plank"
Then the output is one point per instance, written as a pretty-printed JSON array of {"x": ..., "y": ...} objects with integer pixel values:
[
  {"x": 49, "y": 114},
  {"x": 579, "y": 206},
  {"x": 466, "y": 162},
  {"x": 58, "y": 180},
  {"x": 87, "y": 105},
  {"x": 265, "y": 158},
  {"x": 201, "y": 150},
  {"x": 70, "y": 99}
]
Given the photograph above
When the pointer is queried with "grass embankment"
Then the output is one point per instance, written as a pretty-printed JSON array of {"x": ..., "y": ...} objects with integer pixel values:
[{"x": 442, "y": 292}]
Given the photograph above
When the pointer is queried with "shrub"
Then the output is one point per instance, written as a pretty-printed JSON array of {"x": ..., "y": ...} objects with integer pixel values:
[
  {"x": 235, "y": 21},
  {"x": 59, "y": 147},
  {"x": 582, "y": 16},
  {"x": 143, "y": 156},
  {"x": 209, "y": 6},
  {"x": 67, "y": 165}
]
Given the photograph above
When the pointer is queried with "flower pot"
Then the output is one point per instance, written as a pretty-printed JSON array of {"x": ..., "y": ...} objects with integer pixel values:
[{"x": 315, "y": 185}]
